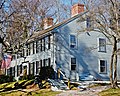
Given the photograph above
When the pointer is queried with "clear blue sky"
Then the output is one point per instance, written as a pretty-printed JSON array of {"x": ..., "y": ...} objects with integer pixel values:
[{"x": 69, "y": 1}]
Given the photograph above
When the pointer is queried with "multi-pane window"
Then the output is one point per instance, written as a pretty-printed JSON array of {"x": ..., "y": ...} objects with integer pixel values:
[
  {"x": 46, "y": 43},
  {"x": 37, "y": 67},
  {"x": 88, "y": 22},
  {"x": 44, "y": 63},
  {"x": 33, "y": 47},
  {"x": 23, "y": 52},
  {"x": 102, "y": 45},
  {"x": 73, "y": 41},
  {"x": 31, "y": 68},
  {"x": 28, "y": 49},
  {"x": 18, "y": 70},
  {"x": 73, "y": 64},
  {"x": 13, "y": 71},
  {"x": 49, "y": 62},
  {"x": 37, "y": 49},
  {"x": 103, "y": 66},
  {"x": 9, "y": 71},
  {"x": 44, "y": 47},
  {"x": 41, "y": 63},
  {"x": 40, "y": 44},
  {"x": 49, "y": 41}
]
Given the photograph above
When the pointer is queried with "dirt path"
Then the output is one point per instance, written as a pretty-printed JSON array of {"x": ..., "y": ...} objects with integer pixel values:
[{"x": 89, "y": 92}]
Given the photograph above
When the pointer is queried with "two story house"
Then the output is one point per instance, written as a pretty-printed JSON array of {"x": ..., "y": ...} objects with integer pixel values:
[{"x": 67, "y": 47}]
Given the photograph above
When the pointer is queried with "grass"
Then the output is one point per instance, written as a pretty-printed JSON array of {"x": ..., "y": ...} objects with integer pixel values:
[
  {"x": 42, "y": 92},
  {"x": 110, "y": 92},
  {"x": 27, "y": 92}
]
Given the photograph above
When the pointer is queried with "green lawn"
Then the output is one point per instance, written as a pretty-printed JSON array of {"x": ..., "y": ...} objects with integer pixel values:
[
  {"x": 42, "y": 92},
  {"x": 110, "y": 92},
  {"x": 14, "y": 92}
]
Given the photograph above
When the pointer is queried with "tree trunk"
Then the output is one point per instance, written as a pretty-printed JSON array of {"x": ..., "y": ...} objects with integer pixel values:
[
  {"x": 115, "y": 63},
  {"x": 111, "y": 68}
]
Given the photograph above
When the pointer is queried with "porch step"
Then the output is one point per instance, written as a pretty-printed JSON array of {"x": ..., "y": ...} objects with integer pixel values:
[{"x": 58, "y": 83}]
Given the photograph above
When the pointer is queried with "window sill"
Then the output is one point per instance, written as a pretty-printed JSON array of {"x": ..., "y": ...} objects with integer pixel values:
[
  {"x": 103, "y": 51},
  {"x": 73, "y": 48},
  {"x": 102, "y": 72},
  {"x": 73, "y": 70}
]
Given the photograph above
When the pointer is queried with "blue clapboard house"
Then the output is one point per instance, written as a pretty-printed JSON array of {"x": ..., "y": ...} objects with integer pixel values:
[{"x": 78, "y": 54}]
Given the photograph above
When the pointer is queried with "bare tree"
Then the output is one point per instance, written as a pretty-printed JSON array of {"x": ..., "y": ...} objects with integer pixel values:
[
  {"x": 105, "y": 16},
  {"x": 28, "y": 18}
]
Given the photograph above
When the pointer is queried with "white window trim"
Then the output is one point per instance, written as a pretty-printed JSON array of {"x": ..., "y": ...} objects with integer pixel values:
[
  {"x": 98, "y": 44},
  {"x": 105, "y": 66},
  {"x": 73, "y": 64},
  {"x": 76, "y": 45}
]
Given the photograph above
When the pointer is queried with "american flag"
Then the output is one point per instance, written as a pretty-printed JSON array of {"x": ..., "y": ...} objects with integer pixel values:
[{"x": 6, "y": 61}]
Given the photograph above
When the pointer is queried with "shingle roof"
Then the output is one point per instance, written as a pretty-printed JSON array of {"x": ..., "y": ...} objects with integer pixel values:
[{"x": 40, "y": 33}]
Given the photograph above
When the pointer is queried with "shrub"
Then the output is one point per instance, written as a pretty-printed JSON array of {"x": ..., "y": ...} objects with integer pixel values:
[
  {"x": 46, "y": 72},
  {"x": 6, "y": 78}
]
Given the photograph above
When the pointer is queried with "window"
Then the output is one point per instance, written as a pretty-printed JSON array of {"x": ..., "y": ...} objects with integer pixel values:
[
  {"x": 44, "y": 44},
  {"x": 18, "y": 70},
  {"x": 37, "y": 67},
  {"x": 31, "y": 67},
  {"x": 88, "y": 22},
  {"x": 23, "y": 52},
  {"x": 28, "y": 49},
  {"x": 40, "y": 44},
  {"x": 33, "y": 47},
  {"x": 102, "y": 45},
  {"x": 73, "y": 41},
  {"x": 73, "y": 64},
  {"x": 49, "y": 61},
  {"x": 37, "y": 49},
  {"x": 49, "y": 42},
  {"x": 13, "y": 71},
  {"x": 8, "y": 72},
  {"x": 45, "y": 62},
  {"x": 102, "y": 66},
  {"x": 41, "y": 65}
]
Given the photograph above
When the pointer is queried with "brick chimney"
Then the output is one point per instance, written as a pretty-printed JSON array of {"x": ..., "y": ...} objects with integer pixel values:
[
  {"x": 76, "y": 9},
  {"x": 48, "y": 22}
]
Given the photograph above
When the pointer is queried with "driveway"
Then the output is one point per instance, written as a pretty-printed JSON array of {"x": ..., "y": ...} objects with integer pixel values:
[{"x": 88, "y": 92}]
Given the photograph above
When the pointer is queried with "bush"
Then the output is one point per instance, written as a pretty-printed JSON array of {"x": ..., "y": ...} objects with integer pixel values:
[
  {"x": 46, "y": 72},
  {"x": 6, "y": 78}
]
